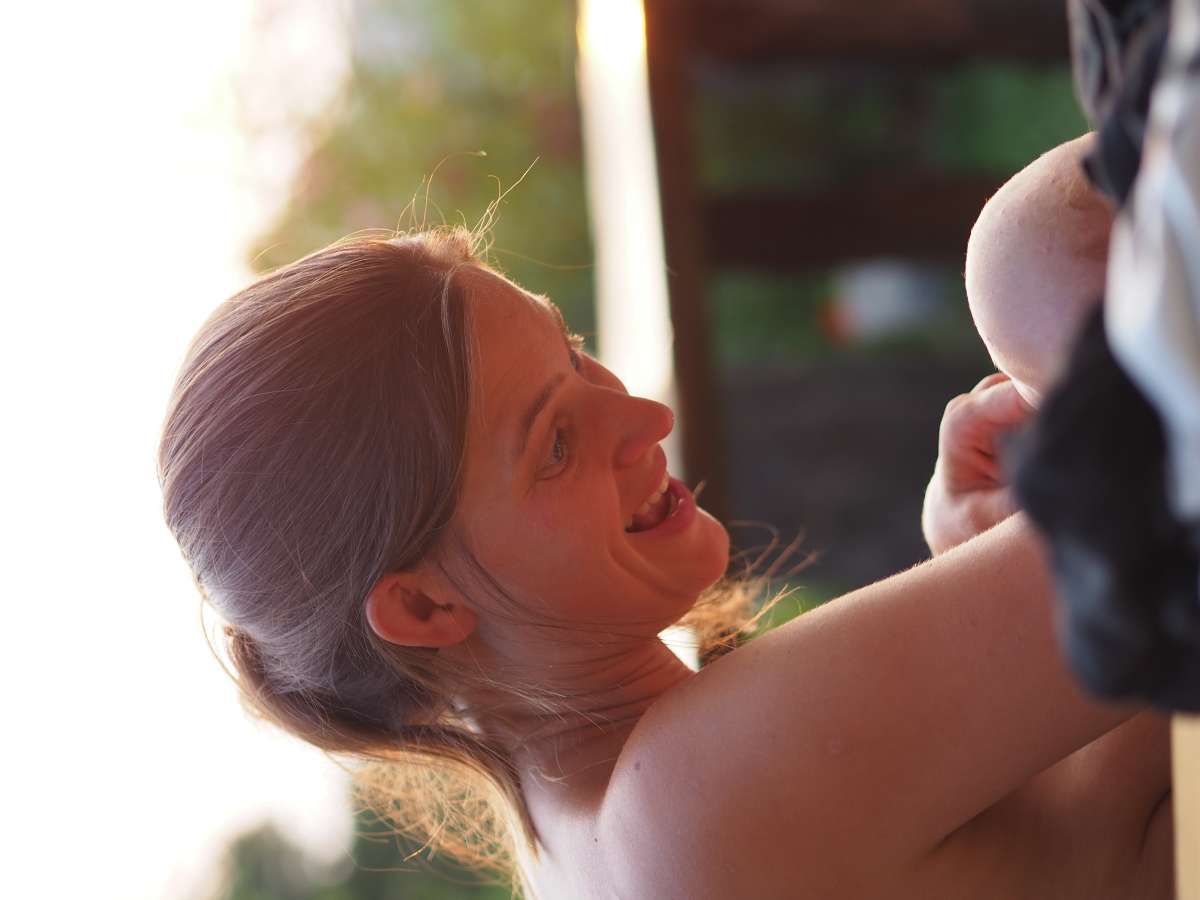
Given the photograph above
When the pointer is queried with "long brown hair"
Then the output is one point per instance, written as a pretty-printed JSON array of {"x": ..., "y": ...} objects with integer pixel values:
[{"x": 314, "y": 441}]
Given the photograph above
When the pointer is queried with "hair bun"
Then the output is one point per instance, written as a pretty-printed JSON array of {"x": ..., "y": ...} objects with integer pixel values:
[{"x": 250, "y": 665}]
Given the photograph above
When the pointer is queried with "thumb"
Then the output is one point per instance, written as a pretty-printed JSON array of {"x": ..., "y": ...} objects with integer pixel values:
[{"x": 1001, "y": 404}]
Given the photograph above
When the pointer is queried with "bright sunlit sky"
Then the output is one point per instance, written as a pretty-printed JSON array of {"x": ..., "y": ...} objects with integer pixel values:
[{"x": 127, "y": 199}]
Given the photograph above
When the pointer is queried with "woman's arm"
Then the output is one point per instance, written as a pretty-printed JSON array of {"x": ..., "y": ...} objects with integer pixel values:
[{"x": 861, "y": 734}]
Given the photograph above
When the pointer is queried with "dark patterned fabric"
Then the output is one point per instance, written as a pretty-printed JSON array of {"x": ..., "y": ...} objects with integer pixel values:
[
  {"x": 1091, "y": 471},
  {"x": 1117, "y": 48}
]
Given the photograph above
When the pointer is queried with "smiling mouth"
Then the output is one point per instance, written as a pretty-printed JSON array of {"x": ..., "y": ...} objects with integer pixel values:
[{"x": 656, "y": 508}]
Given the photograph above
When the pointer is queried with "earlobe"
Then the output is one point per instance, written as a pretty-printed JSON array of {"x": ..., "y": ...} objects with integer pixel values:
[{"x": 405, "y": 608}]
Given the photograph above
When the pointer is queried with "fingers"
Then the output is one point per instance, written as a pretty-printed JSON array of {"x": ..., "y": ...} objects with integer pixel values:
[
  {"x": 994, "y": 378},
  {"x": 973, "y": 423},
  {"x": 968, "y": 492},
  {"x": 996, "y": 400},
  {"x": 1029, "y": 394}
]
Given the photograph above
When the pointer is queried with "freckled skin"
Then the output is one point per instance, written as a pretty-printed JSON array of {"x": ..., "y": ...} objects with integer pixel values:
[
  {"x": 557, "y": 531},
  {"x": 1036, "y": 265},
  {"x": 581, "y": 601}
]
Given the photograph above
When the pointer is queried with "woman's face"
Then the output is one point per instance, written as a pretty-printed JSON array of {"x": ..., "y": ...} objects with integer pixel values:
[{"x": 559, "y": 458}]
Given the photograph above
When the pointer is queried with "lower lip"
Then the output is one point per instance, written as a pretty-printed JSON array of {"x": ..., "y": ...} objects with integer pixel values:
[{"x": 681, "y": 518}]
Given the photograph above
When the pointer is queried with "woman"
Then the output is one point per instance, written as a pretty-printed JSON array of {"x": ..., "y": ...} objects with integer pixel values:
[{"x": 438, "y": 530}]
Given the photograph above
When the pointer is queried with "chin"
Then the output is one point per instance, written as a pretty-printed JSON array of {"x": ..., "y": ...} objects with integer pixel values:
[{"x": 714, "y": 550}]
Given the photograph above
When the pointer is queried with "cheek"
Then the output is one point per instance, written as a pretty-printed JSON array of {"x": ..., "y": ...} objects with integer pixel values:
[
  {"x": 542, "y": 521},
  {"x": 549, "y": 542},
  {"x": 552, "y": 537},
  {"x": 565, "y": 540},
  {"x": 576, "y": 503}
]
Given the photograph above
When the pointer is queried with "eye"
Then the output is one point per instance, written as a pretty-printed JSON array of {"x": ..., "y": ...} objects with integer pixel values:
[{"x": 557, "y": 457}]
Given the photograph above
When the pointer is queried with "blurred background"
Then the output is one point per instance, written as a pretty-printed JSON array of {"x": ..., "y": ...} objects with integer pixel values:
[{"x": 818, "y": 169}]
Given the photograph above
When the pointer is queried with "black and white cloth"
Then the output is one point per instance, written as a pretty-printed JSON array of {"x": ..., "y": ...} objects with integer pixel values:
[{"x": 1110, "y": 470}]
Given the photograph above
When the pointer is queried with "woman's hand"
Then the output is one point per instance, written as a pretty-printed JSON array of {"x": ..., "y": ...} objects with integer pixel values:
[{"x": 968, "y": 494}]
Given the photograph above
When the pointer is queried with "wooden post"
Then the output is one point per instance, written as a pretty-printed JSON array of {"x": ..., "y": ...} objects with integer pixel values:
[
  {"x": 912, "y": 214},
  {"x": 669, "y": 46},
  {"x": 1185, "y": 764},
  {"x": 921, "y": 31}
]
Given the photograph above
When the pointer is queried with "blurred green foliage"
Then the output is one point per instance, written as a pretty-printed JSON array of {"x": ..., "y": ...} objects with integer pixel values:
[
  {"x": 262, "y": 864},
  {"x": 795, "y": 599},
  {"x": 803, "y": 126},
  {"x": 1000, "y": 117},
  {"x": 431, "y": 83},
  {"x": 767, "y": 318}
]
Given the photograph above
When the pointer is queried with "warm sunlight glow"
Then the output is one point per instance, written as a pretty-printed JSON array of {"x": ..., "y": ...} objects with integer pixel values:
[
  {"x": 632, "y": 309},
  {"x": 612, "y": 32},
  {"x": 633, "y": 313}
]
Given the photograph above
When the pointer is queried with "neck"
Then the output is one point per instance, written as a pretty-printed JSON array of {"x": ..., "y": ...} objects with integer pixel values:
[{"x": 604, "y": 690}]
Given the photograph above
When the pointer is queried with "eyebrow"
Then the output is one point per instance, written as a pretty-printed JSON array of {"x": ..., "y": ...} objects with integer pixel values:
[{"x": 544, "y": 395}]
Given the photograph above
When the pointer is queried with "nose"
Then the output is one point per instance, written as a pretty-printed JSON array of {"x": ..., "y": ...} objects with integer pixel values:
[{"x": 641, "y": 424}]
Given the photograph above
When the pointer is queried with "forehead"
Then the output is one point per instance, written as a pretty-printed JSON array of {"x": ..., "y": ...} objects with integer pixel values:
[
  {"x": 505, "y": 314},
  {"x": 519, "y": 342}
]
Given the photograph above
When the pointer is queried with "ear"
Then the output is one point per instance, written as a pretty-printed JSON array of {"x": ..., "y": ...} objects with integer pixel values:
[{"x": 417, "y": 609}]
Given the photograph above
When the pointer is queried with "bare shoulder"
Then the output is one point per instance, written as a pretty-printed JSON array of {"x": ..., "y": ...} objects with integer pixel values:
[
  {"x": 834, "y": 753},
  {"x": 666, "y": 833},
  {"x": 684, "y": 814}
]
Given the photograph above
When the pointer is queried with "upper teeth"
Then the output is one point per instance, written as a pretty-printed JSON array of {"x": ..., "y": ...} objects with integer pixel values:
[{"x": 651, "y": 500}]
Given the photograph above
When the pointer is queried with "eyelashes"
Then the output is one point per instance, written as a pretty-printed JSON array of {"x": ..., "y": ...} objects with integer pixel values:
[{"x": 559, "y": 450}]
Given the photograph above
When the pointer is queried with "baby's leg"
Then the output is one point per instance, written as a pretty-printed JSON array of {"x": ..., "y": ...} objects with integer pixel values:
[{"x": 1036, "y": 265}]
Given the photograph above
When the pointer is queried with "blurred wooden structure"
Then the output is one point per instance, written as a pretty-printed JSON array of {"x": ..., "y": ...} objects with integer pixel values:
[
  {"x": 915, "y": 214},
  {"x": 911, "y": 213}
]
